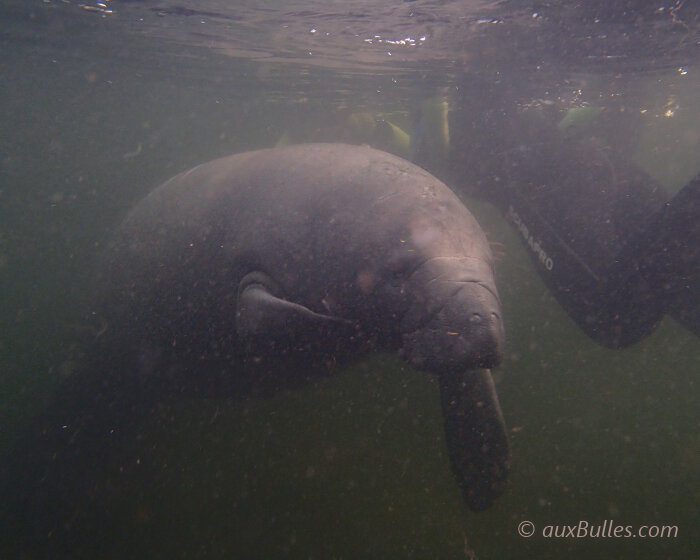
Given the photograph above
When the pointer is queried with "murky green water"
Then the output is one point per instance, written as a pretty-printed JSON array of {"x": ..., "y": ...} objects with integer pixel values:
[{"x": 95, "y": 116}]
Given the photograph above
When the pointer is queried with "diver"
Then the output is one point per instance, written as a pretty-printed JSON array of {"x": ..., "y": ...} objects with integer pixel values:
[{"x": 614, "y": 252}]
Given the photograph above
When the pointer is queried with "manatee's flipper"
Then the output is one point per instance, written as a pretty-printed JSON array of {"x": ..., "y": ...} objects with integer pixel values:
[
  {"x": 261, "y": 314},
  {"x": 475, "y": 432}
]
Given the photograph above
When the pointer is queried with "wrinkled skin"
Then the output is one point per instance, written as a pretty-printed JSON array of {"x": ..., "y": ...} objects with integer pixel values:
[{"x": 260, "y": 271}]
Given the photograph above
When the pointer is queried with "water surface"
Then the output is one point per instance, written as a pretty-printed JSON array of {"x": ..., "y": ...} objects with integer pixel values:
[{"x": 102, "y": 102}]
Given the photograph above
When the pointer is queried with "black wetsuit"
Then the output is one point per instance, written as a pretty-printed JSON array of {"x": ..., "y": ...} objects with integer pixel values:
[{"x": 616, "y": 255}]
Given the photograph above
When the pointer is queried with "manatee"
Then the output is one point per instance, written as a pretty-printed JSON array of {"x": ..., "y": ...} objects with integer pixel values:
[{"x": 262, "y": 271}]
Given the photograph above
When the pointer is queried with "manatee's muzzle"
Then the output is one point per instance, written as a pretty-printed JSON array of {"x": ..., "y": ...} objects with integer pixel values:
[{"x": 463, "y": 332}]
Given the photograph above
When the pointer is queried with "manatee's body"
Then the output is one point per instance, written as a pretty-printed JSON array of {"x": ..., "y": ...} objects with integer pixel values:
[
  {"x": 256, "y": 271},
  {"x": 305, "y": 255},
  {"x": 369, "y": 248}
]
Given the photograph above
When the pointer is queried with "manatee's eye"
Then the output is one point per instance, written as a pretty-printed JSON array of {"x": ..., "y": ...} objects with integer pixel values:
[
  {"x": 402, "y": 265},
  {"x": 397, "y": 277}
]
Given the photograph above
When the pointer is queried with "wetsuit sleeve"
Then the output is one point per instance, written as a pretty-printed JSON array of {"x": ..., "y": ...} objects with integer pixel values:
[{"x": 667, "y": 253}]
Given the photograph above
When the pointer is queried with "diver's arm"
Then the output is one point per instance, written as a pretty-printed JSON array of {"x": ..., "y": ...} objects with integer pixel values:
[
  {"x": 576, "y": 206},
  {"x": 667, "y": 254}
]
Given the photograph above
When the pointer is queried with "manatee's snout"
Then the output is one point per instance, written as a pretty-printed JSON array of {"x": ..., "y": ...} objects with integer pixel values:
[{"x": 465, "y": 331}]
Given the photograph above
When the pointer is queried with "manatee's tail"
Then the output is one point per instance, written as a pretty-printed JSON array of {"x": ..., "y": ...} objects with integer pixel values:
[{"x": 475, "y": 432}]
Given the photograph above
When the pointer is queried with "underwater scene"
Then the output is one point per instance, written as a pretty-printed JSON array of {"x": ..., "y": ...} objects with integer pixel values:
[{"x": 336, "y": 280}]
